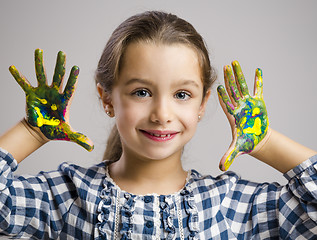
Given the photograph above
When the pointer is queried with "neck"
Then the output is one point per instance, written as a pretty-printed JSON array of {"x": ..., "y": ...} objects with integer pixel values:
[{"x": 145, "y": 176}]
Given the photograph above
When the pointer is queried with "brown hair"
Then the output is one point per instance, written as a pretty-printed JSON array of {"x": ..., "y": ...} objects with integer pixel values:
[{"x": 152, "y": 26}]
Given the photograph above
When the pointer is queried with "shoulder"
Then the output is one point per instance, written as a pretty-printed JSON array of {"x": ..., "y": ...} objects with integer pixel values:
[
  {"x": 86, "y": 174},
  {"x": 222, "y": 184},
  {"x": 207, "y": 181}
]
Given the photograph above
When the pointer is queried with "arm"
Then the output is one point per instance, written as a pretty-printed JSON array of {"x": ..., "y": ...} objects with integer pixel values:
[
  {"x": 47, "y": 111},
  {"x": 281, "y": 152},
  {"x": 249, "y": 123},
  {"x": 34, "y": 207},
  {"x": 21, "y": 140}
]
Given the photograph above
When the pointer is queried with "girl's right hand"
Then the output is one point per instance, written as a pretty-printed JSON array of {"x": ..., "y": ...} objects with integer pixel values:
[{"x": 47, "y": 106}]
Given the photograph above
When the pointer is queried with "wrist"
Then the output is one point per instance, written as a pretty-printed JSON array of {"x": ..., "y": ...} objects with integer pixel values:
[
  {"x": 21, "y": 140},
  {"x": 281, "y": 152},
  {"x": 35, "y": 132},
  {"x": 260, "y": 148}
]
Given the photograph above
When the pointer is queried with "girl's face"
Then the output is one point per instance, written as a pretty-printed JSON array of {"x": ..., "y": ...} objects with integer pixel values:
[{"x": 157, "y": 100}]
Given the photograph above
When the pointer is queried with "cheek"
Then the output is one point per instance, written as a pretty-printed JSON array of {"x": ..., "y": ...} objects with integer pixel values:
[
  {"x": 189, "y": 116},
  {"x": 128, "y": 114}
]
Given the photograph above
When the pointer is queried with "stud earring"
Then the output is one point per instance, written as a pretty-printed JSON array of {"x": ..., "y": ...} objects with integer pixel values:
[
  {"x": 108, "y": 113},
  {"x": 199, "y": 117}
]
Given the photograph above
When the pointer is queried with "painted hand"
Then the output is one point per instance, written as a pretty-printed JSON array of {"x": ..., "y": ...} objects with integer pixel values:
[
  {"x": 247, "y": 114},
  {"x": 47, "y": 106}
]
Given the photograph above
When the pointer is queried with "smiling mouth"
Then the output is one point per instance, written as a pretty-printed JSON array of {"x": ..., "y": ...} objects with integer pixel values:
[{"x": 159, "y": 135}]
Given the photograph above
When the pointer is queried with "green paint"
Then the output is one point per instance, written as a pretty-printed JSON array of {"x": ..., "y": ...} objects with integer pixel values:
[
  {"x": 240, "y": 77},
  {"x": 232, "y": 83},
  {"x": 47, "y": 106}
]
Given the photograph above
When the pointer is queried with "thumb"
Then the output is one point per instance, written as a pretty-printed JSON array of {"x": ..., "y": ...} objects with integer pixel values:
[
  {"x": 229, "y": 156},
  {"x": 82, "y": 140}
]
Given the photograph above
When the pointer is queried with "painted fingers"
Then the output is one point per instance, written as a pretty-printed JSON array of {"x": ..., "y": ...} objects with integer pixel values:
[
  {"x": 71, "y": 84},
  {"x": 258, "y": 84},
  {"x": 59, "y": 71},
  {"x": 21, "y": 80}
]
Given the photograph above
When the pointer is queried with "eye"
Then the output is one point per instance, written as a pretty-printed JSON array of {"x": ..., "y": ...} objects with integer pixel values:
[
  {"x": 183, "y": 95},
  {"x": 142, "y": 93}
]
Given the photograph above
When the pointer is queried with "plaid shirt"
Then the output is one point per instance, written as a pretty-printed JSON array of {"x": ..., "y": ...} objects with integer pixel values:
[{"x": 80, "y": 203}]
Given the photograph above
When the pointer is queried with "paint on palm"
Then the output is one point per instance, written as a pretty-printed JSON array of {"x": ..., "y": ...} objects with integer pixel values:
[
  {"x": 48, "y": 106},
  {"x": 251, "y": 120}
]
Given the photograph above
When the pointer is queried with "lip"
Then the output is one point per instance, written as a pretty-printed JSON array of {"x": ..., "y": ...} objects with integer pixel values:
[{"x": 159, "y": 135}]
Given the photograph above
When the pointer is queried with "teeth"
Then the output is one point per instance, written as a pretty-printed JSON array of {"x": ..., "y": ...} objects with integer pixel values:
[{"x": 158, "y": 135}]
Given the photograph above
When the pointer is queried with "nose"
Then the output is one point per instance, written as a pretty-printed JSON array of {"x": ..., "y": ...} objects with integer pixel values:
[{"x": 161, "y": 111}]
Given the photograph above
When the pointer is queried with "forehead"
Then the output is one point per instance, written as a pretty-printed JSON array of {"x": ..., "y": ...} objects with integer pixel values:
[{"x": 153, "y": 60}]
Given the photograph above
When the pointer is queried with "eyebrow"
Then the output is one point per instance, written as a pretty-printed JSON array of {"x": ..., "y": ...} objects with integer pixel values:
[
  {"x": 188, "y": 82},
  {"x": 147, "y": 82},
  {"x": 138, "y": 80}
]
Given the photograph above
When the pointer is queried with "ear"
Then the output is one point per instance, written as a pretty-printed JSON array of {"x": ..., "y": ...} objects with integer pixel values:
[
  {"x": 203, "y": 105},
  {"x": 105, "y": 98}
]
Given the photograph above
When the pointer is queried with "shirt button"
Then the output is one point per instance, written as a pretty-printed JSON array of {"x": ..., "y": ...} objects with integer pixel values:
[
  {"x": 149, "y": 224},
  {"x": 127, "y": 195},
  {"x": 147, "y": 199},
  {"x": 128, "y": 214},
  {"x": 107, "y": 201}
]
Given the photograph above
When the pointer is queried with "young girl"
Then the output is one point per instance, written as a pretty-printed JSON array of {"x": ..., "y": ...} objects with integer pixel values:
[{"x": 154, "y": 77}]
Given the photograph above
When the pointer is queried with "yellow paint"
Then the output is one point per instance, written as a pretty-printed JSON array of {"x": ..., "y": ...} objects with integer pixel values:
[
  {"x": 256, "y": 111},
  {"x": 259, "y": 73},
  {"x": 244, "y": 119},
  {"x": 235, "y": 63},
  {"x": 42, "y": 121},
  {"x": 256, "y": 129},
  {"x": 54, "y": 107},
  {"x": 43, "y": 101},
  {"x": 228, "y": 163}
]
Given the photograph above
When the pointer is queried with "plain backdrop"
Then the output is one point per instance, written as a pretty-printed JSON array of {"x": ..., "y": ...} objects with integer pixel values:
[{"x": 278, "y": 36}]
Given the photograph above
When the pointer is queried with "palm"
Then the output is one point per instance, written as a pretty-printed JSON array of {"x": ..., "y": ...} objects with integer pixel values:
[
  {"x": 47, "y": 106},
  {"x": 250, "y": 122},
  {"x": 46, "y": 109}
]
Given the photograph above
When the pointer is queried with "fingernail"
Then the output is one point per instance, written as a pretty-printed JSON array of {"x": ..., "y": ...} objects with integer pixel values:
[
  {"x": 235, "y": 63},
  {"x": 228, "y": 68},
  {"x": 76, "y": 70},
  {"x": 258, "y": 72}
]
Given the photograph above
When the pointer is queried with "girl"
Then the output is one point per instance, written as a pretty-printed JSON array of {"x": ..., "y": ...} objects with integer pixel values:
[{"x": 154, "y": 77}]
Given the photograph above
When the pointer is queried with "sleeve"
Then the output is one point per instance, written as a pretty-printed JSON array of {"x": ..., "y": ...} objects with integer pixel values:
[
  {"x": 290, "y": 211},
  {"x": 33, "y": 206},
  {"x": 298, "y": 202},
  {"x": 269, "y": 210}
]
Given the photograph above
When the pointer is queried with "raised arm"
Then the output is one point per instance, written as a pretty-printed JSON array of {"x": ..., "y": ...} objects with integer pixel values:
[
  {"x": 47, "y": 111},
  {"x": 248, "y": 119}
]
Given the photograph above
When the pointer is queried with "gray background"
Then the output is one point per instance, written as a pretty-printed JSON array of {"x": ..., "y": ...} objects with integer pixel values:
[{"x": 278, "y": 36}]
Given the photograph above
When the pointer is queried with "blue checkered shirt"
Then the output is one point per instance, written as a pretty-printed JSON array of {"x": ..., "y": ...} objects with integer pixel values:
[{"x": 84, "y": 203}]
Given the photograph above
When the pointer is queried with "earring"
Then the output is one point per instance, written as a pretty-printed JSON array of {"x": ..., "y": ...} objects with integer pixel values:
[
  {"x": 199, "y": 117},
  {"x": 108, "y": 110},
  {"x": 108, "y": 113}
]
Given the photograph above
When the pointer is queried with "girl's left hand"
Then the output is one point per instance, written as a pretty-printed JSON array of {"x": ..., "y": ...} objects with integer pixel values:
[{"x": 247, "y": 114}]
